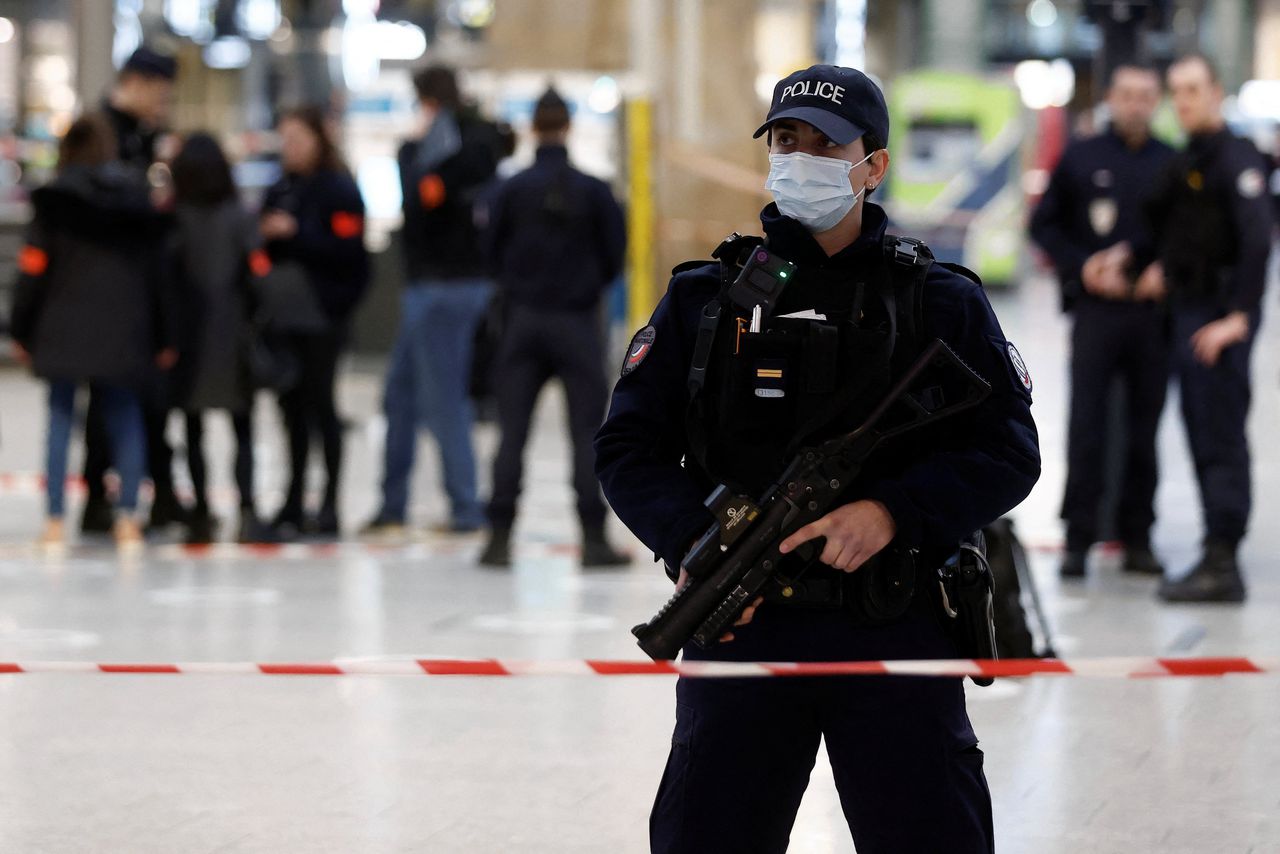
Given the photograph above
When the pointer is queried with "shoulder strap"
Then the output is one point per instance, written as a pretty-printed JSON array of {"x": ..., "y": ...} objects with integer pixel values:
[
  {"x": 909, "y": 262},
  {"x": 729, "y": 253}
]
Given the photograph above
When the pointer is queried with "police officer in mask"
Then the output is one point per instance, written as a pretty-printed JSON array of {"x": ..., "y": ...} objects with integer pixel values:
[
  {"x": 1088, "y": 221},
  {"x": 905, "y": 757},
  {"x": 1211, "y": 221}
]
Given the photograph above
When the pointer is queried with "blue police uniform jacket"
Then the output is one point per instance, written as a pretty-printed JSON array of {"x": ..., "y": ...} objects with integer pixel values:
[
  {"x": 984, "y": 461},
  {"x": 1095, "y": 200}
]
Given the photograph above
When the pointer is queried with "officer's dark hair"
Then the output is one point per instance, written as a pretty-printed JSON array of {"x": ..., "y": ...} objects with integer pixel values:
[
  {"x": 871, "y": 142},
  {"x": 1209, "y": 65},
  {"x": 551, "y": 113},
  {"x": 315, "y": 120},
  {"x": 438, "y": 83},
  {"x": 201, "y": 173},
  {"x": 1135, "y": 66},
  {"x": 90, "y": 141}
]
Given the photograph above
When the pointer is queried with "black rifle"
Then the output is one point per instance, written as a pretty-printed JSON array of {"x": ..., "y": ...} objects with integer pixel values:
[{"x": 734, "y": 560}]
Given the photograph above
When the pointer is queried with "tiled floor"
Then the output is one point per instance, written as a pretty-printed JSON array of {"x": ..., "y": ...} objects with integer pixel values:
[{"x": 563, "y": 764}]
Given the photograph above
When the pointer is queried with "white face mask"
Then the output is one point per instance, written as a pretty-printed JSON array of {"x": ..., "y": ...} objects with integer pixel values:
[{"x": 813, "y": 190}]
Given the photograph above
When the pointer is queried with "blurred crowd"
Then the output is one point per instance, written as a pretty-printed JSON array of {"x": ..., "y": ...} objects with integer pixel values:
[{"x": 147, "y": 288}]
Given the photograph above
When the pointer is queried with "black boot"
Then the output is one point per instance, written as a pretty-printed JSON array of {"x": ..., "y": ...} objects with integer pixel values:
[
  {"x": 99, "y": 516},
  {"x": 252, "y": 529},
  {"x": 167, "y": 510},
  {"x": 1140, "y": 560},
  {"x": 497, "y": 552},
  {"x": 202, "y": 527},
  {"x": 596, "y": 551},
  {"x": 324, "y": 525},
  {"x": 1073, "y": 564},
  {"x": 288, "y": 524},
  {"x": 1216, "y": 578}
]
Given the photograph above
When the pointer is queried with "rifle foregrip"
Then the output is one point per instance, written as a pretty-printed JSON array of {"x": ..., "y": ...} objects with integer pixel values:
[
  {"x": 663, "y": 637},
  {"x": 714, "y": 627}
]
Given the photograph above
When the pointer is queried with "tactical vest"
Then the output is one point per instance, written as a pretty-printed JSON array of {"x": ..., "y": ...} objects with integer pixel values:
[{"x": 757, "y": 397}]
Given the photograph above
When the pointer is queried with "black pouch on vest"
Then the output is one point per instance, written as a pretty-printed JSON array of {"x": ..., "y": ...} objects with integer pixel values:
[{"x": 880, "y": 591}]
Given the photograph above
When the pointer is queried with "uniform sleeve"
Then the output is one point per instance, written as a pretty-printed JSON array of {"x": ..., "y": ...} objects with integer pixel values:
[
  {"x": 335, "y": 233},
  {"x": 29, "y": 289},
  {"x": 612, "y": 234},
  {"x": 641, "y": 444},
  {"x": 1155, "y": 215},
  {"x": 1051, "y": 230},
  {"x": 1251, "y": 214},
  {"x": 447, "y": 184},
  {"x": 992, "y": 456}
]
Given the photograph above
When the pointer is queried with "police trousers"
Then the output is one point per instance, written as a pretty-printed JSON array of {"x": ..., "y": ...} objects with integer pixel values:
[
  {"x": 1215, "y": 406},
  {"x": 905, "y": 759},
  {"x": 1128, "y": 341},
  {"x": 537, "y": 346}
]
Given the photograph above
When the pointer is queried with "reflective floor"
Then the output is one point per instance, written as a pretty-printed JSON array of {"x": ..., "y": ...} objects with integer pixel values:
[{"x": 562, "y": 764}]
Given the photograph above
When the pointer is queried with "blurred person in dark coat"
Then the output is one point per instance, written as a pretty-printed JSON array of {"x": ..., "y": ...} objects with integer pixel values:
[
  {"x": 313, "y": 219},
  {"x": 214, "y": 254},
  {"x": 442, "y": 174},
  {"x": 88, "y": 309},
  {"x": 137, "y": 108},
  {"x": 556, "y": 240}
]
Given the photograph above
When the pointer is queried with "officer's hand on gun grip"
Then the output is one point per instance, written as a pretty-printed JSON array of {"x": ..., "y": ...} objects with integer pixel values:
[
  {"x": 855, "y": 533},
  {"x": 747, "y": 615},
  {"x": 1211, "y": 339}
]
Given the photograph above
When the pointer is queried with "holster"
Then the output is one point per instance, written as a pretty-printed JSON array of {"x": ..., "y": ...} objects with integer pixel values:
[{"x": 966, "y": 592}]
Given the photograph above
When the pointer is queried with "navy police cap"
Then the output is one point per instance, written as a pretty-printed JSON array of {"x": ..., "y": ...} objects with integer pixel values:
[{"x": 843, "y": 103}]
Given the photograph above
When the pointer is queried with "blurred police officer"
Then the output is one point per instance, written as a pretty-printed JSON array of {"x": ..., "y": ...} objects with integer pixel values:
[
  {"x": 1088, "y": 222},
  {"x": 556, "y": 241},
  {"x": 137, "y": 106},
  {"x": 1211, "y": 219},
  {"x": 905, "y": 757}
]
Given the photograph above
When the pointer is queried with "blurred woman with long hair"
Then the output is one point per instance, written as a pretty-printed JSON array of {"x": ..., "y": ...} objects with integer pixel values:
[
  {"x": 212, "y": 255},
  {"x": 313, "y": 219}
]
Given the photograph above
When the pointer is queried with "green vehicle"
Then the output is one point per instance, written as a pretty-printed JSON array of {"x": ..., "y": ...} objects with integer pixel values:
[{"x": 957, "y": 142}]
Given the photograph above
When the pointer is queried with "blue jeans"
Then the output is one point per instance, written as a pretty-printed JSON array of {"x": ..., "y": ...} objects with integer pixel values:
[
  {"x": 125, "y": 432},
  {"x": 427, "y": 386}
]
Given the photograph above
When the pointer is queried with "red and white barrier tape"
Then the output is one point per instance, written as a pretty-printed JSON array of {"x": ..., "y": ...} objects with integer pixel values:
[{"x": 1113, "y": 668}]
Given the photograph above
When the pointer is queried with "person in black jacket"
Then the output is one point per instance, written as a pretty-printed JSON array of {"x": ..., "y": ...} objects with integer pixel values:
[
  {"x": 88, "y": 309},
  {"x": 1211, "y": 221},
  {"x": 313, "y": 220},
  {"x": 441, "y": 175},
  {"x": 556, "y": 239},
  {"x": 137, "y": 108},
  {"x": 214, "y": 247},
  {"x": 1089, "y": 221},
  {"x": 904, "y": 754}
]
